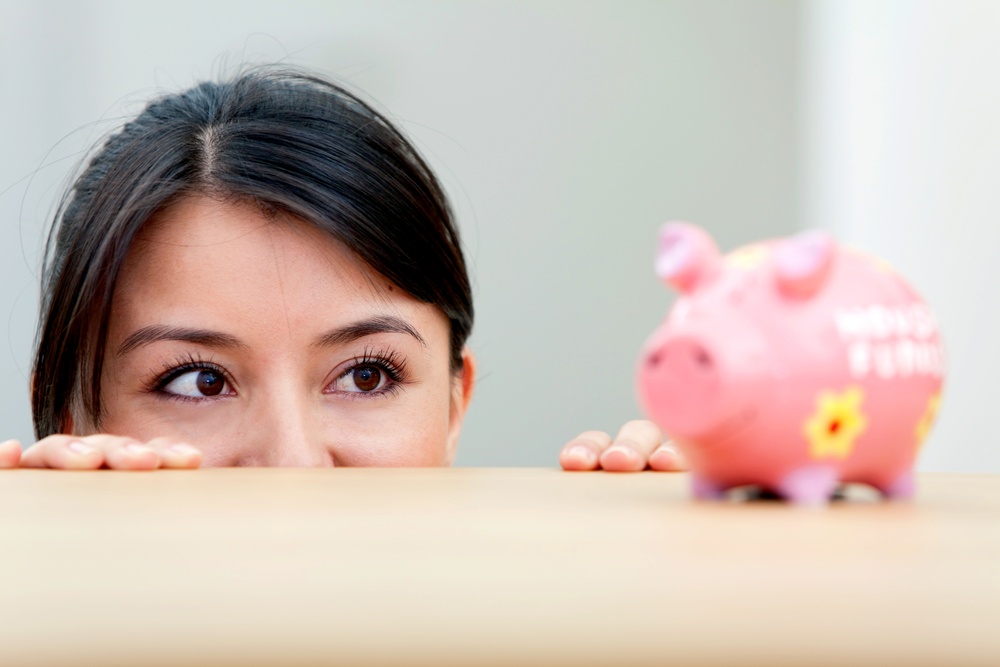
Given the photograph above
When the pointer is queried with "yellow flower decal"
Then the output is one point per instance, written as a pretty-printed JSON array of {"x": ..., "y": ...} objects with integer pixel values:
[
  {"x": 747, "y": 257},
  {"x": 927, "y": 419},
  {"x": 836, "y": 424}
]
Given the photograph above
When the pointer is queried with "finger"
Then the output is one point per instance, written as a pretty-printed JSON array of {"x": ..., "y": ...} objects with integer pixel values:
[
  {"x": 667, "y": 458},
  {"x": 10, "y": 454},
  {"x": 632, "y": 446},
  {"x": 122, "y": 453},
  {"x": 65, "y": 452},
  {"x": 584, "y": 451},
  {"x": 176, "y": 454}
]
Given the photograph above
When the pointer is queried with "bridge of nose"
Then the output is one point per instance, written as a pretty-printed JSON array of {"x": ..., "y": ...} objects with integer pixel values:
[{"x": 285, "y": 429}]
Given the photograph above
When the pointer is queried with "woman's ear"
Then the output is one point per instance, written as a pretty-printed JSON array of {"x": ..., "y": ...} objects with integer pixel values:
[{"x": 462, "y": 387}]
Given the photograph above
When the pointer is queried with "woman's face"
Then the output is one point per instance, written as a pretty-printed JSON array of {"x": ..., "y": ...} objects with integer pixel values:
[{"x": 262, "y": 341}]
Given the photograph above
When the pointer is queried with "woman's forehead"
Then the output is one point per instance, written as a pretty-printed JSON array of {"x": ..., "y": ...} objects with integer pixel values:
[
  {"x": 208, "y": 259},
  {"x": 202, "y": 221},
  {"x": 199, "y": 229}
]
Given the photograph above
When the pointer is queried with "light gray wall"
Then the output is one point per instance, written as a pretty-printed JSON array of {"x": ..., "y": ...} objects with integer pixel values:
[
  {"x": 901, "y": 155},
  {"x": 565, "y": 132}
]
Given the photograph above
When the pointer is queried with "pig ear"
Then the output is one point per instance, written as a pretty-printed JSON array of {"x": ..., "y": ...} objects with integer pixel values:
[
  {"x": 686, "y": 255},
  {"x": 802, "y": 262}
]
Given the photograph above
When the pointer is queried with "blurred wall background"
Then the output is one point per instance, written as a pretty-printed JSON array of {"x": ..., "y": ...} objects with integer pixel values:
[{"x": 565, "y": 132}]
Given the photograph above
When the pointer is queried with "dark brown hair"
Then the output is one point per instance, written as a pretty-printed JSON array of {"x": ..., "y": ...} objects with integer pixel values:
[{"x": 289, "y": 141}]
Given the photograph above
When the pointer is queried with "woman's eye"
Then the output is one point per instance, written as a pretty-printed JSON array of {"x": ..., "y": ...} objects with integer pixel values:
[
  {"x": 362, "y": 379},
  {"x": 197, "y": 384}
]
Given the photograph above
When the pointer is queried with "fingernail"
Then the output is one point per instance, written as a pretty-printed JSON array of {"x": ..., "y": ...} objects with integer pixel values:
[
  {"x": 668, "y": 459},
  {"x": 581, "y": 452},
  {"x": 624, "y": 450},
  {"x": 186, "y": 450},
  {"x": 80, "y": 448},
  {"x": 664, "y": 453},
  {"x": 136, "y": 448}
]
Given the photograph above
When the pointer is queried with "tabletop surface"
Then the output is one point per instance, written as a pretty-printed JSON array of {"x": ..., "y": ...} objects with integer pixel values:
[{"x": 487, "y": 566}]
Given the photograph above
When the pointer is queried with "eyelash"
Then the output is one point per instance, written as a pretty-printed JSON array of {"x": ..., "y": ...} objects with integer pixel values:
[
  {"x": 179, "y": 367},
  {"x": 385, "y": 360},
  {"x": 388, "y": 361}
]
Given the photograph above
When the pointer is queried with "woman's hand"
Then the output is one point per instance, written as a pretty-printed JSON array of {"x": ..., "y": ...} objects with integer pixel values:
[
  {"x": 10, "y": 454},
  {"x": 72, "y": 452},
  {"x": 639, "y": 445}
]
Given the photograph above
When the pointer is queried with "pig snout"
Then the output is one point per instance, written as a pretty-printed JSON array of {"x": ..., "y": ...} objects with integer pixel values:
[{"x": 681, "y": 384}]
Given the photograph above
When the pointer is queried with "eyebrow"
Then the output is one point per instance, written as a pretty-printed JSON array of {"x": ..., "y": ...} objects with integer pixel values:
[
  {"x": 157, "y": 332},
  {"x": 369, "y": 327},
  {"x": 339, "y": 336}
]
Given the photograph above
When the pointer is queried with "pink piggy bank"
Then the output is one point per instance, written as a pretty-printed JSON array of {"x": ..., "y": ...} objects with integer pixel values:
[{"x": 792, "y": 365}]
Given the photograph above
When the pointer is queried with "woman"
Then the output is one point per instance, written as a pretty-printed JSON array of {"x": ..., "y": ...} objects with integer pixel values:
[{"x": 262, "y": 272}]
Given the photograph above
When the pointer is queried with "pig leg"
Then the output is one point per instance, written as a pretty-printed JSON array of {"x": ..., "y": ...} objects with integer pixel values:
[
  {"x": 812, "y": 485},
  {"x": 900, "y": 488},
  {"x": 705, "y": 489}
]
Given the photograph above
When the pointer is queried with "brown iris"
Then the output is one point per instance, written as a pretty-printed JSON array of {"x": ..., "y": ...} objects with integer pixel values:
[
  {"x": 367, "y": 378},
  {"x": 210, "y": 383}
]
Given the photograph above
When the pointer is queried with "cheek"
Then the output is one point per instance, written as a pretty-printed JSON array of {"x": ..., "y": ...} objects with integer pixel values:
[
  {"x": 412, "y": 435},
  {"x": 117, "y": 417},
  {"x": 144, "y": 425}
]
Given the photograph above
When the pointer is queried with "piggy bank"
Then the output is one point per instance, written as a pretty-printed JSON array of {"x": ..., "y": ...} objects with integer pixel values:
[{"x": 793, "y": 365}]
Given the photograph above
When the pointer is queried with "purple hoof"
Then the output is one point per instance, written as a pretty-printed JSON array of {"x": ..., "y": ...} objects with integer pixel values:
[
  {"x": 809, "y": 486},
  {"x": 901, "y": 488},
  {"x": 704, "y": 489}
]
